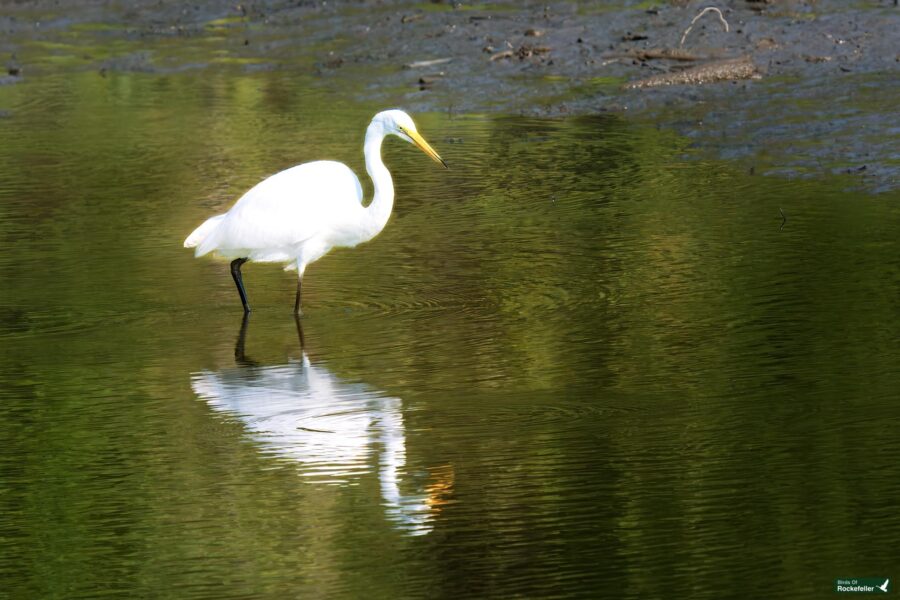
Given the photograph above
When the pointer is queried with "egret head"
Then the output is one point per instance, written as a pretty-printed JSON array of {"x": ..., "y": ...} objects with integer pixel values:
[{"x": 397, "y": 122}]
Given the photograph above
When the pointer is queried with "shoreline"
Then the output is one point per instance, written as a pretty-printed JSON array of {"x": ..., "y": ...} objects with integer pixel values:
[{"x": 794, "y": 88}]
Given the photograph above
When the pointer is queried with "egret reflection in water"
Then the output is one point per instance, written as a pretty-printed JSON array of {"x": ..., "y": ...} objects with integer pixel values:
[{"x": 338, "y": 431}]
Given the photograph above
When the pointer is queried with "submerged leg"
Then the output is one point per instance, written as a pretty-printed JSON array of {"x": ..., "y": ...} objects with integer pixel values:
[{"x": 239, "y": 281}]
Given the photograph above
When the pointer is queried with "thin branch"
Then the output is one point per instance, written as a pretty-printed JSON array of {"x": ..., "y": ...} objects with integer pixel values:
[
  {"x": 700, "y": 14},
  {"x": 426, "y": 63}
]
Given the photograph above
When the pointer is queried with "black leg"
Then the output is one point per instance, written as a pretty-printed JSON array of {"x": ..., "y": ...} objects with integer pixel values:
[
  {"x": 297, "y": 310},
  {"x": 239, "y": 282}
]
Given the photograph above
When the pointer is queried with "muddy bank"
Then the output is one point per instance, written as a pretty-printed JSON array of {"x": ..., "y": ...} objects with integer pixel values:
[{"x": 799, "y": 88}]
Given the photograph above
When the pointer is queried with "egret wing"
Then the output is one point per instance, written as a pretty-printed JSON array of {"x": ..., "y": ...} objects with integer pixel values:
[{"x": 286, "y": 209}]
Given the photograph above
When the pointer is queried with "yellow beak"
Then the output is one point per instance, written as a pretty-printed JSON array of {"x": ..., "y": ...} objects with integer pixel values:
[{"x": 419, "y": 141}]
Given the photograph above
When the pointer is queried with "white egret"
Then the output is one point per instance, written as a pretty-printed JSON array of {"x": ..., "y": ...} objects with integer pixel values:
[{"x": 298, "y": 215}]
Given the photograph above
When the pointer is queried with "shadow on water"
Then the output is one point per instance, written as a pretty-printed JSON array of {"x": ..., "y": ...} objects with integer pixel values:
[{"x": 334, "y": 430}]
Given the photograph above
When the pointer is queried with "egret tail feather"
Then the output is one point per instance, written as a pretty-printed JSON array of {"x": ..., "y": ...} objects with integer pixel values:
[{"x": 201, "y": 233}]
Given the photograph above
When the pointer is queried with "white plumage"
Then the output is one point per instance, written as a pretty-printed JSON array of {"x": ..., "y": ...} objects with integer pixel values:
[
  {"x": 274, "y": 220},
  {"x": 298, "y": 215}
]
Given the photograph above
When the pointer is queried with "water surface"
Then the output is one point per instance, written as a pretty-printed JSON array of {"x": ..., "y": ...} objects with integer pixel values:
[{"x": 578, "y": 363}]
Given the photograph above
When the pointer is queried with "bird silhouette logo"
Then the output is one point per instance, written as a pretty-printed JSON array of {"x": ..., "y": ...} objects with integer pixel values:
[{"x": 884, "y": 586}]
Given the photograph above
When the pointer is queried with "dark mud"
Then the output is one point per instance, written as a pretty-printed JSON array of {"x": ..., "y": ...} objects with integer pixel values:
[{"x": 799, "y": 88}]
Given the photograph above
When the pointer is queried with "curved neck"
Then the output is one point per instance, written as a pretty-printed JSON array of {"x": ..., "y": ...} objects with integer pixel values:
[{"x": 379, "y": 210}]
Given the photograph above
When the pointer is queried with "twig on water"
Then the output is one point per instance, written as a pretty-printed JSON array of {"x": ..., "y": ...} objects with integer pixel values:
[
  {"x": 502, "y": 54},
  {"x": 426, "y": 63},
  {"x": 783, "y": 219},
  {"x": 700, "y": 14}
]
